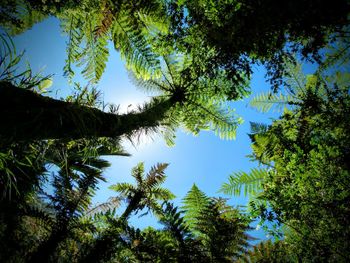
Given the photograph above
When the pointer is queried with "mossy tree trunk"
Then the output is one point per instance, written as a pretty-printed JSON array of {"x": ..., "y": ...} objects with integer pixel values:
[{"x": 26, "y": 115}]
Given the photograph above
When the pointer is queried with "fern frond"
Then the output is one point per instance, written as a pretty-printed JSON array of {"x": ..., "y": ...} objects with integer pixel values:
[
  {"x": 95, "y": 54},
  {"x": 174, "y": 222},
  {"x": 133, "y": 46},
  {"x": 123, "y": 188},
  {"x": 258, "y": 128},
  {"x": 295, "y": 78},
  {"x": 138, "y": 172},
  {"x": 41, "y": 215},
  {"x": 163, "y": 194},
  {"x": 264, "y": 102},
  {"x": 112, "y": 203},
  {"x": 194, "y": 203},
  {"x": 71, "y": 25},
  {"x": 156, "y": 175},
  {"x": 250, "y": 182},
  {"x": 105, "y": 22}
]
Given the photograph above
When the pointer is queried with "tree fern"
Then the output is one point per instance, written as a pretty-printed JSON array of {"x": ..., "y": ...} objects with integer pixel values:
[
  {"x": 199, "y": 99},
  {"x": 146, "y": 192}
]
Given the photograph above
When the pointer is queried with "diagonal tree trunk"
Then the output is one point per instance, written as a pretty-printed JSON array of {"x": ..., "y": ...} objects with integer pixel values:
[{"x": 26, "y": 115}]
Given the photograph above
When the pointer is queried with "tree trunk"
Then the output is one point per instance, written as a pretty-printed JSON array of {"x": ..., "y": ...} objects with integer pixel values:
[{"x": 26, "y": 115}]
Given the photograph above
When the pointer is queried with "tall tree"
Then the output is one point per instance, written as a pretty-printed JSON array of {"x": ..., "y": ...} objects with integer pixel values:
[{"x": 194, "y": 100}]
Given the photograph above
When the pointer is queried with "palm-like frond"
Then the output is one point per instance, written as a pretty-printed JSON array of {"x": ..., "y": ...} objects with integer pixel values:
[
  {"x": 83, "y": 48},
  {"x": 128, "y": 38},
  {"x": 258, "y": 128},
  {"x": 94, "y": 56},
  {"x": 156, "y": 175},
  {"x": 162, "y": 193},
  {"x": 199, "y": 99},
  {"x": 250, "y": 182},
  {"x": 295, "y": 83}
]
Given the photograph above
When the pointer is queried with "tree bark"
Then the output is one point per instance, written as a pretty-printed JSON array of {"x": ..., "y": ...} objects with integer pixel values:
[{"x": 26, "y": 115}]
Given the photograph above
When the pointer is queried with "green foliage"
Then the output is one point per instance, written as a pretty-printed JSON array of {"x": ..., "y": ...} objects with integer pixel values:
[
  {"x": 193, "y": 204},
  {"x": 294, "y": 80},
  {"x": 9, "y": 61},
  {"x": 199, "y": 100},
  {"x": 265, "y": 101},
  {"x": 235, "y": 29},
  {"x": 268, "y": 252},
  {"x": 219, "y": 227},
  {"x": 251, "y": 182},
  {"x": 306, "y": 150},
  {"x": 130, "y": 26},
  {"x": 53, "y": 218},
  {"x": 147, "y": 191},
  {"x": 222, "y": 231},
  {"x": 83, "y": 48}
]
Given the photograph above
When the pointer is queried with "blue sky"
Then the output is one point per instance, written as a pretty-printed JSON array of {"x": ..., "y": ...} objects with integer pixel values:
[{"x": 205, "y": 160}]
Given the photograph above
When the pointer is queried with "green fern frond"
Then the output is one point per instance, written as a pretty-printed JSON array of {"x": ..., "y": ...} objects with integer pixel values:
[
  {"x": 193, "y": 203},
  {"x": 71, "y": 25},
  {"x": 163, "y": 193},
  {"x": 250, "y": 182},
  {"x": 258, "y": 128},
  {"x": 133, "y": 46},
  {"x": 105, "y": 21},
  {"x": 122, "y": 188},
  {"x": 94, "y": 55},
  {"x": 156, "y": 175},
  {"x": 138, "y": 172},
  {"x": 264, "y": 102},
  {"x": 295, "y": 78},
  {"x": 84, "y": 48},
  {"x": 173, "y": 222}
]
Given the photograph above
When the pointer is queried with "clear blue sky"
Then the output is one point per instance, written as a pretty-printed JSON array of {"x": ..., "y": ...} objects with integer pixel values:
[{"x": 205, "y": 160}]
